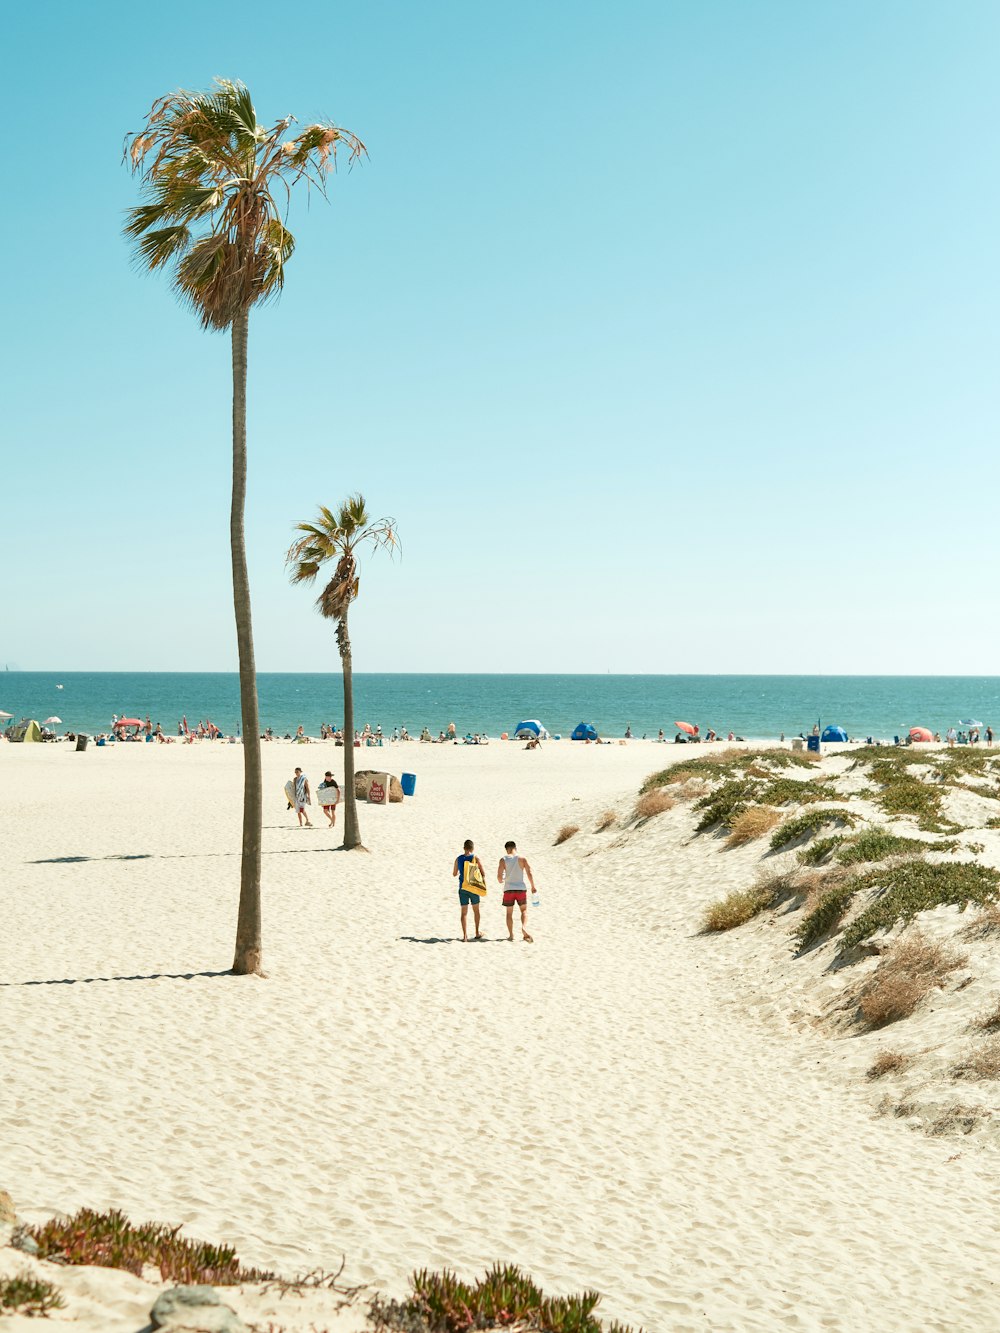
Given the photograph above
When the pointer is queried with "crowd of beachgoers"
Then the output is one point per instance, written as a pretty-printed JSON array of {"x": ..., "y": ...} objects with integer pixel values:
[{"x": 133, "y": 729}]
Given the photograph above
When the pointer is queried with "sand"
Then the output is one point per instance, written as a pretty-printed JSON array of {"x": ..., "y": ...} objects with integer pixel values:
[{"x": 615, "y": 1106}]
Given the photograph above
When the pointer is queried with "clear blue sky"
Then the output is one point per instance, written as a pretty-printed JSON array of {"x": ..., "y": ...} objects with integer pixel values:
[{"x": 668, "y": 332}]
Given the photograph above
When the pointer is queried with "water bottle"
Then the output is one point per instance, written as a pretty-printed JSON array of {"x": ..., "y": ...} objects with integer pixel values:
[{"x": 535, "y": 901}]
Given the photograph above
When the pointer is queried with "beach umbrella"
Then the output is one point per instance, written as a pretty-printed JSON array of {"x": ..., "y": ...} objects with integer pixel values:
[
  {"x": 921, "y": 734},
  {"x": 3, "y": 714},
  {"x": 128, "y": 722},
  {"x": 53, "y": 721},
  {"x": 686, "y": 726},
  {"x": 965, "y": 723}
]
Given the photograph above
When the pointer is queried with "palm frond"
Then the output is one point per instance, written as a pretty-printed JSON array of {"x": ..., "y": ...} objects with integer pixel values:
[
  {"x": 156, "y": 248},
  {"x": 206, "y": 165}
]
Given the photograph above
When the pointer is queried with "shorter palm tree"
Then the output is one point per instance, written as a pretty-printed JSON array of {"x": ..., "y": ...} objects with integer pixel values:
[{"x": 337, "y": 536}]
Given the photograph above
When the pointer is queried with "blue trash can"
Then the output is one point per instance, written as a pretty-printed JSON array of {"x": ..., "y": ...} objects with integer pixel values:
[
  {"x": 812, "y": 743},
  {"x": 408, "y": 781}
]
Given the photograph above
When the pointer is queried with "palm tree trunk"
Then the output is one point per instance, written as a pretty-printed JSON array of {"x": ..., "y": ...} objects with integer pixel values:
[
  {"x": 352, "y": 834},
  {"x": 248, "y": 945}
]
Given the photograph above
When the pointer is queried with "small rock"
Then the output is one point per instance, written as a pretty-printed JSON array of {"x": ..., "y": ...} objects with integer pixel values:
[
  {"x": 22, "y": 1241},
  {"x": 195, "y": 1310},
  {"x": 7, "y": 1213}
]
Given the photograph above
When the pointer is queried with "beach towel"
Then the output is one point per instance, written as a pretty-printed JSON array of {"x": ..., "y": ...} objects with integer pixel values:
[
  {"x": 474, "y": 881},
  {"x": 301, "y": 795}
]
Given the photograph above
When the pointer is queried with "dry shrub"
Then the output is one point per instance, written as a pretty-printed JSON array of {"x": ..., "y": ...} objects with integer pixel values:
[
  {"x": 990, "y": 1021},
  {"x": 752, "y": 823},
  {"x": 735, "y": 909},
  {"x": 888, "y": 1062},
  {"x": 565, "y": 832},
  {"x": 987, "y": 923},
  {"x": 957, "y": 1119},
  {"x": 653, "y": 803},
  {"x": 692, "y": 789},
  {"x": 981, "y": 1061},
  {"x": 606, "y": 821},
  {"x": 910, "y": 970}
]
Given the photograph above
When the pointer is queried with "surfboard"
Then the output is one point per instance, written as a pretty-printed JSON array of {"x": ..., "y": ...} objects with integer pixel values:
[{"x": 290, "y": 791}]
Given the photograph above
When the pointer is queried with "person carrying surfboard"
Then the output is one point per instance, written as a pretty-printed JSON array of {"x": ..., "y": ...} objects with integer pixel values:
[{"x": 329, "y": 796}]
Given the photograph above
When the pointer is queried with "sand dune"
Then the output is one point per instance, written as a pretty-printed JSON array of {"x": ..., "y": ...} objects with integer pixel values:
[{"x": 610, "y": 1106}]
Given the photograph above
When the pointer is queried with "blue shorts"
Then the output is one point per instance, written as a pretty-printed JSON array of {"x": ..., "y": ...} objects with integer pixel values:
[{"x": 468, "y": 899}]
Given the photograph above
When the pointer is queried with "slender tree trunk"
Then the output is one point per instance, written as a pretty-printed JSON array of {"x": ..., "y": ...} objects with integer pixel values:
[
  {"x": 248, "y": 946},
  {"x": 352, "y": 834}
]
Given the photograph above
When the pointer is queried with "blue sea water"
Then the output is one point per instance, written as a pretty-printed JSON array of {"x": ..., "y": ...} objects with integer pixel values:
[{"x": 753, "y": 706}]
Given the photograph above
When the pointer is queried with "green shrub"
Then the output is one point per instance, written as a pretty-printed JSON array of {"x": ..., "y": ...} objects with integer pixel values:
[
  {"x": 786, "y": 791},
  {"x": 723, "y": 805},
  {"x": 506, "y": 1297},
  {"x": 729, "y": 763},
  {"x": 826, "y": 915},
  {"x": 820, "y": 850},
  {"x": 28, "y": 1295},
  {"x": 917, "y": 886},
  {"x": 806, "y": 824},
  {"x": 110, "y": 1240},
  {"x": 878, "y": 844}
]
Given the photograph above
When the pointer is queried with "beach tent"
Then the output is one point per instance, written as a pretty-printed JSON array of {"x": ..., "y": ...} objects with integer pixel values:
[
  {"x": 584, "y": 731},
  {"x": 32, "y": 732},
  {"x": 531, "y": 727},
  {"x": 921, "y": 734},
  {"x": 834, "y": 734}
]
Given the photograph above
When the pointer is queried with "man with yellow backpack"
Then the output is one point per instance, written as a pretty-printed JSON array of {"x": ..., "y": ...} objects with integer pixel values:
[{"x": 468, "y": 869}]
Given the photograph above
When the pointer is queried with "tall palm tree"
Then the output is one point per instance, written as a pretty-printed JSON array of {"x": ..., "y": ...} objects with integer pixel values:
[
  {"x": 212, "y": 180},
  {"x": 337, "y": 536}
]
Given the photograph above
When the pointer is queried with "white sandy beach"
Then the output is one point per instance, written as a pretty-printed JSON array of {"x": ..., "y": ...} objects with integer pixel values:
[{"x": 611, "y": 1107}]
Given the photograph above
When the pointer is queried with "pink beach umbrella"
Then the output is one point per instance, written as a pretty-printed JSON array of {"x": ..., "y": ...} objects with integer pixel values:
[
  {"x": 921, "y": 734},
  {"x": 686, "y": 726}
]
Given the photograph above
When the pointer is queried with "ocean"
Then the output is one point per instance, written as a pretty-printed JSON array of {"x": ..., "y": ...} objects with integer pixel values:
[{"x": 755, "y": 707}]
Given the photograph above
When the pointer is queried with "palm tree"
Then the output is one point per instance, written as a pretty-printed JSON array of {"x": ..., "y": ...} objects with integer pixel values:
[
  {"x": 211, "y": 180},
  {"x": 337, "y": 537}
]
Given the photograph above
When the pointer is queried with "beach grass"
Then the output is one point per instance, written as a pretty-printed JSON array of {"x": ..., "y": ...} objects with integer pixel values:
[
  {"x": 565, "y": 833},
  {"x": 652, "y": 803},
  {"x": 908, "y": 972},
  {"x": 753, "y": 823},
  {"x": 889, "y": 1062},
  {"x": 28, "y": 1295},
  {"x": 981, "y": 1061}
]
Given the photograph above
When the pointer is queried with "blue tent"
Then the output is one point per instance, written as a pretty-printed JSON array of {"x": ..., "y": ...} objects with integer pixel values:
[
  {"x": 584, "y": 731},
  {"x": 834, "y": 734},
  {"x": 532, "y": 727}
]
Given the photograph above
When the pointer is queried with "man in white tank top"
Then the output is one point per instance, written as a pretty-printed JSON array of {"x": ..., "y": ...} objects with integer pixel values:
[{"x": 510, "y": 873}]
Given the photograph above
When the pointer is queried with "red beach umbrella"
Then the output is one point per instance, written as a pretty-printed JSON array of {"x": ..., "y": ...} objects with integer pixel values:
[
  {"x": 128, "y": 722},
  {"x": 686, "y": 726},
  {"x": 921, "y": 734}
]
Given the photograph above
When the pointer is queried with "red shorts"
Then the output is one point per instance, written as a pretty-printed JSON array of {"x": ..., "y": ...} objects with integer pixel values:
[{"x": 518, "y": 896}]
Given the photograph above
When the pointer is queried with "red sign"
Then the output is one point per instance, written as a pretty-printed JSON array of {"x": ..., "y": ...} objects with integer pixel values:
[{"x": 376, "y": 792}]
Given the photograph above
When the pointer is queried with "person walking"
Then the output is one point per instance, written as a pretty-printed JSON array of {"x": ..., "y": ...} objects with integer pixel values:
[
  {"x": 472, "y": 885},
  {"x": 989, "y": 737},
  {"x": 510, "y": 873},
  {"x": 329, "y": 796},
  {"x": 303, "y": 797}
]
